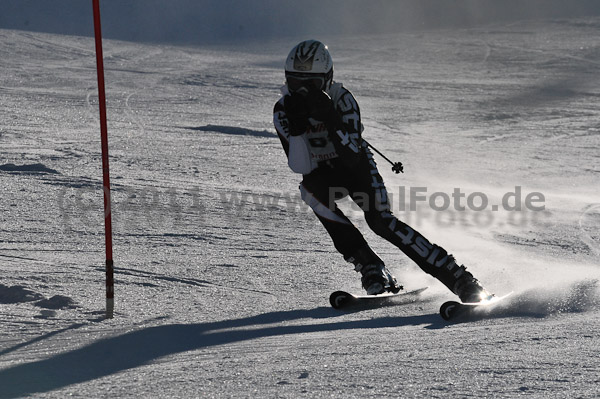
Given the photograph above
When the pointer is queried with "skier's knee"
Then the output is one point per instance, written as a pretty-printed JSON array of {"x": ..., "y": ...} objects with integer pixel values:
[{"x": 378, "y": 224}]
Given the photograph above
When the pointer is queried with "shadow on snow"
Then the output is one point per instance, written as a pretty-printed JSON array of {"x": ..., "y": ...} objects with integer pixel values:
[
  {"x": 133, "y": 349},
  {"x": 233, "y": 130}
]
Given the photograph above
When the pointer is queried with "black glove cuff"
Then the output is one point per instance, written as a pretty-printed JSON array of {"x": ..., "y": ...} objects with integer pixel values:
[
  {"x": 295, "y": 106},
  {"x": 298, "y": 126}
]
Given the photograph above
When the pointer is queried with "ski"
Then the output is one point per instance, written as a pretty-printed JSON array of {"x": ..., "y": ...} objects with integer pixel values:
[
  {"x": 453, "y": 310},
  {"x": 346, "y": 300}
]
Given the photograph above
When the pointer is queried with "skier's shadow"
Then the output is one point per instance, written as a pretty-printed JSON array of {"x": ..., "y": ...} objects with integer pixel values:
[{"x": 133, "y": 349}]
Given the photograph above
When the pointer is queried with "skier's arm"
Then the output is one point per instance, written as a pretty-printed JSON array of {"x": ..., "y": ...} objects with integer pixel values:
[
  {"x": 293, "y": 140},
  {"x": 299, "y": 159},
  {"x": 342, "y": 121}
]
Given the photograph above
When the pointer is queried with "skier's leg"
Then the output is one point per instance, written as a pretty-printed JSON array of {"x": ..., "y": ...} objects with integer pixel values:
[
  {"x": 370, "y": 194},
  {"x": 346, "y": 237}
]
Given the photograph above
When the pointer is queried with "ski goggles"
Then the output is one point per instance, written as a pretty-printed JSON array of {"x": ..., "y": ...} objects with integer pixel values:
[{"x": 308, "y": 81}]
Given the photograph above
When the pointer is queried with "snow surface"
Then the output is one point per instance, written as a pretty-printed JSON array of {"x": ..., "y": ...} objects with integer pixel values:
[{"x": 223, "y": 275}]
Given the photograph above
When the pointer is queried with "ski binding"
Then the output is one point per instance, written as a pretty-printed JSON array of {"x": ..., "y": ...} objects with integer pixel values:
[
  {"x": 346, "y": 300},
  {"x": 452, "y": 310}
]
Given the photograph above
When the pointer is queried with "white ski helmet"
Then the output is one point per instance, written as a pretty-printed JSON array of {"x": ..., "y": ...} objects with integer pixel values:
[{"x": 309, "y": 64}]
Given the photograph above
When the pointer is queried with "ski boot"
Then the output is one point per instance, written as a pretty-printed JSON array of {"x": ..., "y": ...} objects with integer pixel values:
[
  {"x": 376, "y": 279},
  {"x": 469, "y": 290}
]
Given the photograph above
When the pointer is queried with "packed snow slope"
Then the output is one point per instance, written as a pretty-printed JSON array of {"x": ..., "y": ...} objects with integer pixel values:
[{"x": 223, "y": 275}]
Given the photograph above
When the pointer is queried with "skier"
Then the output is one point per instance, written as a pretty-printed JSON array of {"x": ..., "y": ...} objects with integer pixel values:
[{"x": 318, "y": 123}]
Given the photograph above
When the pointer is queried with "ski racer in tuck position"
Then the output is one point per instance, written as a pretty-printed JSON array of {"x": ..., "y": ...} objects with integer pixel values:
[{"x": 318, "y": 122}]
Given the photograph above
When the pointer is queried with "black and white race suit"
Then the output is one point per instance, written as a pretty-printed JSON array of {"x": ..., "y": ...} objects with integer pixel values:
[{"x": 336, "y": 164}]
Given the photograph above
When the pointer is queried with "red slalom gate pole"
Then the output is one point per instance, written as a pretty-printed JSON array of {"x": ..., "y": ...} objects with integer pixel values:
[{"x": 110, "y": 290}]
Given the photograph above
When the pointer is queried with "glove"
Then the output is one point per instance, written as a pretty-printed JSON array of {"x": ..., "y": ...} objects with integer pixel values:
[
  {"x": 296, "y": 110},
  {"x": 320, "y": 106}
]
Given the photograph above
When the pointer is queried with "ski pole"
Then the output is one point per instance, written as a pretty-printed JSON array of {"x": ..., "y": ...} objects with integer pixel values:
[{"x": 396, "y": 166}]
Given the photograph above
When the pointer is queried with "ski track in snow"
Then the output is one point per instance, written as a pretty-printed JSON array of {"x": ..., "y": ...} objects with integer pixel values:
[{"x": 223, "y": 274}]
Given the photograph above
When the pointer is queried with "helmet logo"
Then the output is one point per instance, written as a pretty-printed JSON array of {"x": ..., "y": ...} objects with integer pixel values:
[{"x": 305, "y": 55}]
